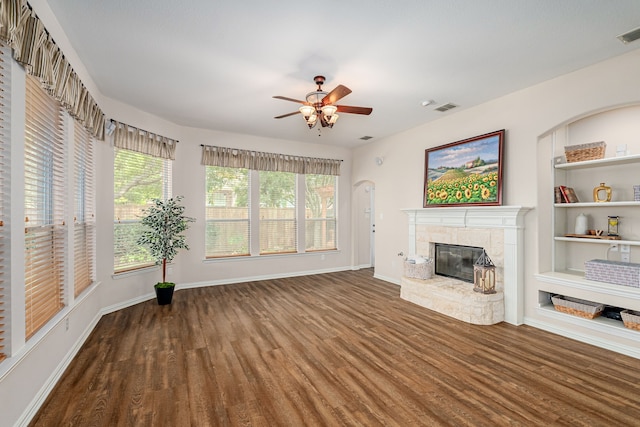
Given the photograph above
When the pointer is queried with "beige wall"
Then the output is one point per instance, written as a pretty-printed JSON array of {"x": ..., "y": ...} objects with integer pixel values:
[{"x": 526, "y": 115}]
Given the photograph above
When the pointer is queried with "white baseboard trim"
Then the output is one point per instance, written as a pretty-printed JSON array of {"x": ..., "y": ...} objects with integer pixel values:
[
  {"x": 125, "y": 304},
  {"x": 598, "y": 342},
  {"x": 361, "y": 266},
  {"x": 34, "y": 406},
  {"x": 256, "y": 278},
  {"x": 387, "y": 279}
]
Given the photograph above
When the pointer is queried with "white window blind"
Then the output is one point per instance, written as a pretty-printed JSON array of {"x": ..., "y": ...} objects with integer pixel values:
[
  {"x": 5, "y": 143},
  {"x": 84, "y": 226},
  {"x": 227, "y": 212},
  {"x": 320, "y": 212},
  {"x": 138, "y": 178},
  {"x": 45, "y": 230},
  {"x": 278, "y": 224}
]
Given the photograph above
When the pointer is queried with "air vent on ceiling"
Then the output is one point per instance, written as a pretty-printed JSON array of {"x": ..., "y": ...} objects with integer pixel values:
[
  {"x": 629, "y": 37},
  {"x": 366, "y": 138},
  {"x": 446, "y": 107}
]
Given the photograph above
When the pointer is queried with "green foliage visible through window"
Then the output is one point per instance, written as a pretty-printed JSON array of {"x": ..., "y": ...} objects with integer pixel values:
[
  {"x": 320, "y": 212},
  {"x": 227, "y": 212},
  {"x": 138, "y": 179},
  {"x": 278, "y": 224}
]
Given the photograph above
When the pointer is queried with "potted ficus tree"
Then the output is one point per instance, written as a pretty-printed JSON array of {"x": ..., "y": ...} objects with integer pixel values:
[{"x": 164, "y": 222}]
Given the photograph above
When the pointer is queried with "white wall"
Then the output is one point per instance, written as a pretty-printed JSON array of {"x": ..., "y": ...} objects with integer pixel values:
[{"x": 526, "y": 115}]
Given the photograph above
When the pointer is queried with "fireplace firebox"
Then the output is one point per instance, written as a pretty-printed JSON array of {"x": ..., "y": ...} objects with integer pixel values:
[{"x": 455, "y": 261}]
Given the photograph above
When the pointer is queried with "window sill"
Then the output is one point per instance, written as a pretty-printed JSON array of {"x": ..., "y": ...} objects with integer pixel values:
[
  {"x": 270, "y": 256},
  {"x": 129, "y": 273}
]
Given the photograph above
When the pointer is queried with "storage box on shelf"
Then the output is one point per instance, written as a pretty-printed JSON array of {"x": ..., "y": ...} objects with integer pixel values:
[
  {"x": 619, "y": 273},
  {"x": 631, "y": 319},
  {"x": 577, "y": 307},
  {"x": 582, "y": 152}
]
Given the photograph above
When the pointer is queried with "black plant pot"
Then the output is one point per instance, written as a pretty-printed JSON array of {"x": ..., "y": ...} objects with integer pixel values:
[{"x": 164, "y": 295}]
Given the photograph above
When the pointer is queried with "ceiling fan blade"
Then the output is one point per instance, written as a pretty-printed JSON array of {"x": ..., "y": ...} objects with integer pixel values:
[
  {"x": 289, "y": 99},
  {"x": 338, "y": 93},
  {"x": 354, "y": 110},
  {"x": 287, "y": 115}
]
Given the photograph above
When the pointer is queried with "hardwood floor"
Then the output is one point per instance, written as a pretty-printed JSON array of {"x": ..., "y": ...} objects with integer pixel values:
[{"x": 329, "y": 350}]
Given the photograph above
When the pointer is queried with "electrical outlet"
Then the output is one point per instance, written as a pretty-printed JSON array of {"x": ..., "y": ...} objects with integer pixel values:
[
  {"x": 624, "y": 249},
  {"x": 624, "y": 257},
  {"x": 66, "y": 324}
]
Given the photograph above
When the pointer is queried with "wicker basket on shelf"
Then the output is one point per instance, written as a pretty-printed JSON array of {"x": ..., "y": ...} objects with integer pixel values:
[
  {"x": 582, "y": 152},
  {"x": 631, "y": 319},
  {"x": 577, "y": 307}
]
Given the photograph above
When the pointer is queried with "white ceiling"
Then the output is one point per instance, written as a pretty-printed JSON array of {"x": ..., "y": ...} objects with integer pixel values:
[{"x": 216, "y": 64}]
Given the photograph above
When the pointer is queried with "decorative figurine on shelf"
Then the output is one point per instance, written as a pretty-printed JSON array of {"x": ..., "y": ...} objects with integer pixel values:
[
  {"x": 612, "y": 224},
  {"x": 602, "y": 193}
]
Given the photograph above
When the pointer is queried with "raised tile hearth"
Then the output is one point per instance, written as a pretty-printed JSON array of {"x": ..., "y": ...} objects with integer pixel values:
[
  {"x": 497, "y": 229},
  {"x": 454, "y": 298}
]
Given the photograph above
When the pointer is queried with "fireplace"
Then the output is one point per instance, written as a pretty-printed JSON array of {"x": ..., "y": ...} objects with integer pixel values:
[
  {"x": 455, "y": 261},
  {"x": 497, "y": 229}
]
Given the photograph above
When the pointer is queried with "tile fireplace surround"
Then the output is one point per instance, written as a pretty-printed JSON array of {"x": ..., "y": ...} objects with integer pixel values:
[{"x": 500, "y": 231}]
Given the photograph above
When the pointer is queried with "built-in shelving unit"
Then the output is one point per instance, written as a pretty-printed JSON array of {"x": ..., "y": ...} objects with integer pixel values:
[
  {"x": 562, "y": 256},
  {"x": 596, "y": 205}
]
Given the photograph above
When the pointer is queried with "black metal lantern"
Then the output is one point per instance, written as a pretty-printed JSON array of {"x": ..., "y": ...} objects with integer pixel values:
[{"x": 484, "y": 275}]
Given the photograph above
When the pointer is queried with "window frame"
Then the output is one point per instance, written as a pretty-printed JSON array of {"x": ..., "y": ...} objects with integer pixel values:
[{"x": 84, "y": 221}]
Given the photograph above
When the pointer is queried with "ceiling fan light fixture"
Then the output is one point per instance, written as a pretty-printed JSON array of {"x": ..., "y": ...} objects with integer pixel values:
[
  {"x": 319, "y": 106},
  {"x": 328, "y": 111},
  {"x": 307, "y": 111},
  {"x": 311, "y": 121}
]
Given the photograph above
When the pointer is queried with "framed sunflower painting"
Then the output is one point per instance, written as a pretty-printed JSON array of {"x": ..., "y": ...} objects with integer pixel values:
[{"x": 467, "y": 172}]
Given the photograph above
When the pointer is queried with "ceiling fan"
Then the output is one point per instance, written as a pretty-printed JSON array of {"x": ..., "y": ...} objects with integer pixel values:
[{"x": 320, "y": 105}]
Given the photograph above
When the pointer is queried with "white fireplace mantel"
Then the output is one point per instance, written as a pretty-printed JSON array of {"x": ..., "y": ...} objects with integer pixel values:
[{"x": 508, "y": 218}]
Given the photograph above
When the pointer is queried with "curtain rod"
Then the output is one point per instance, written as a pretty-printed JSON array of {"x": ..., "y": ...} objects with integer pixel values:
[
  {"x": 142, "y": 130},
  {"x": 202, "y": 145}
]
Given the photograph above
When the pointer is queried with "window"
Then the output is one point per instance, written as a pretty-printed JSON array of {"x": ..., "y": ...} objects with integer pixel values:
[
  {"x": 84, "y": 228},
  {"x": 5, "y": 142},
  {"x": 138, "y": 178},
  {"x": 320, "y": 212},
  {"x": 278, "y": 225},
  {"x": 227, "y": 212},
  {"x": 45, "y": 229},
  {"x": 254, "y": 202}
]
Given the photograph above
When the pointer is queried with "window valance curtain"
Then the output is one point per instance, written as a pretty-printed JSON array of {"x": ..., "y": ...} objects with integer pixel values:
[
  {"x": 134, "y": 139},
  {"x": 34, "y": 48},
  {"x": 236, "y": 158}
]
